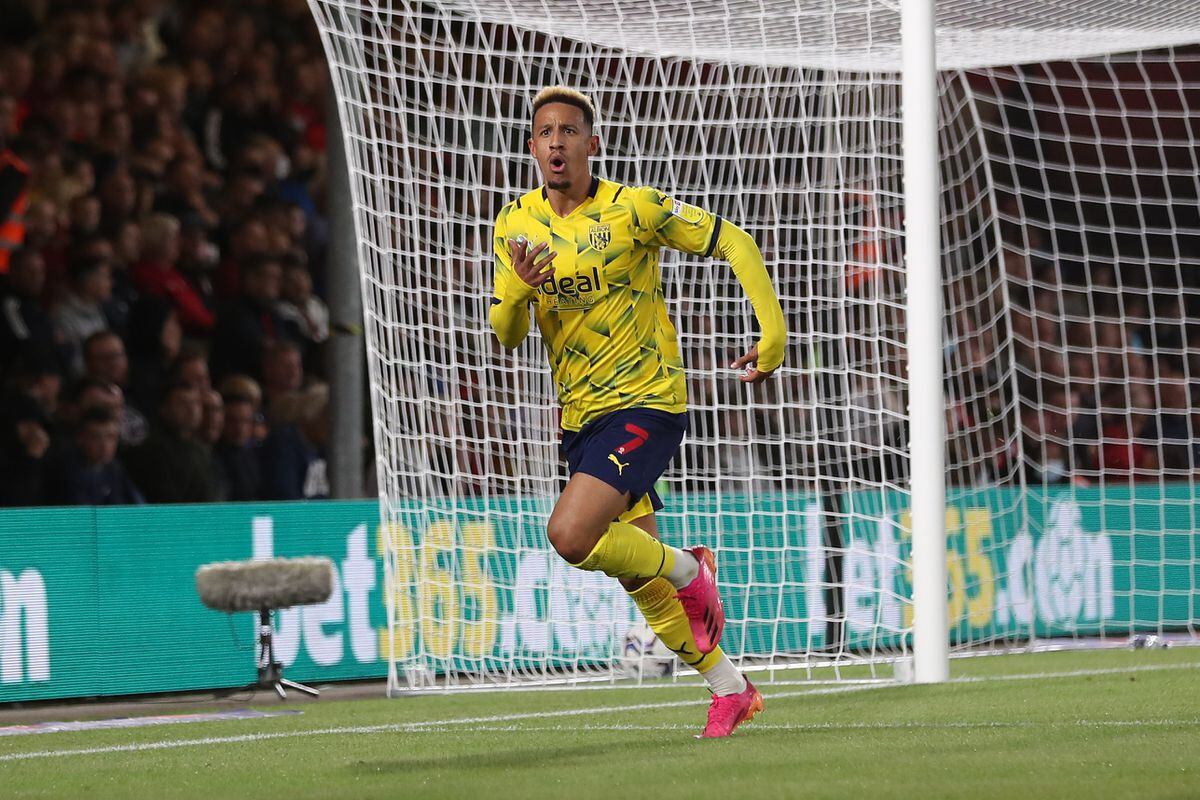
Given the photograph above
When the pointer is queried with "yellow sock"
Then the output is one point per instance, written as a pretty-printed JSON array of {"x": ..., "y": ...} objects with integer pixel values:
[
  {"x": 627, "y": 551},
  {"x": 664, "y": 614}
]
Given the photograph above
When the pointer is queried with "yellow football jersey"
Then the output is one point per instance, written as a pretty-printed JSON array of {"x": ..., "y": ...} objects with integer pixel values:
[{"x": 602, "y": 316}]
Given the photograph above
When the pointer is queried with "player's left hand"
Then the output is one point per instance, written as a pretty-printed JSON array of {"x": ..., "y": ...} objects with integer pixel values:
[{"x": 748, "y": 364}]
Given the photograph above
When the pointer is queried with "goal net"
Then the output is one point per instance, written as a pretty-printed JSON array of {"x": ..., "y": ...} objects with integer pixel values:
[{"x": 1069, "y": 231}]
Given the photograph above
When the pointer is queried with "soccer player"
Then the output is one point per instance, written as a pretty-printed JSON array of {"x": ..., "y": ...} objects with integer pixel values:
[{"x": 584, "y": 252}]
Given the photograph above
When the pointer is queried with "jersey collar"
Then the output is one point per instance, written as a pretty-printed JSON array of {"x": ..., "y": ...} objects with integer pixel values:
[{"x": 595, "y": 187}]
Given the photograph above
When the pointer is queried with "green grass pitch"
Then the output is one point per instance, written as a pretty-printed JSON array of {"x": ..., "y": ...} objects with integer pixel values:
[{"x": 1109, "y": 723}]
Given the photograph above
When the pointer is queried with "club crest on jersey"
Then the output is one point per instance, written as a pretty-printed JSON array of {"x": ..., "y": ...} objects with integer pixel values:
[
  {"x": 599, "y": 236},
  {"x": 689, "y": 214}
]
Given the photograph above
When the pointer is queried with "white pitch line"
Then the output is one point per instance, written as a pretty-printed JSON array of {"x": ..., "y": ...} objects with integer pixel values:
[
  {"x": 397, "y": 727},
  {"x": 450, "y": 724},
  {"x": 830, "y": 726},
  {"x": 1030, "y": 676},
  {"x": 1076, "y": 673}
]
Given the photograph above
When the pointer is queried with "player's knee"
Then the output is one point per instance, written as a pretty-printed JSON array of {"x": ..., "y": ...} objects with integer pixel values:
[
  {"x": 559, "y": 535},
  {"x": 567, "y": 540}
]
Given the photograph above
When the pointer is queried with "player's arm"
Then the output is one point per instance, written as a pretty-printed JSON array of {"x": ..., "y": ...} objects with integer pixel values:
[
  {"x": 693, "y": 230},
  {"x": 741, "y": 251},
  {"x": 520, "y": 269}
]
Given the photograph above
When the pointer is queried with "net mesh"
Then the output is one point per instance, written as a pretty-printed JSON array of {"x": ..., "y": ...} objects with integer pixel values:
[{"x": 1068, "y": 224}]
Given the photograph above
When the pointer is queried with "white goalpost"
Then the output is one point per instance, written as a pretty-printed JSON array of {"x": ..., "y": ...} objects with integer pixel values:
[
  {"x": 922, "y": 262},
  {"x": 982, "y": 434}
]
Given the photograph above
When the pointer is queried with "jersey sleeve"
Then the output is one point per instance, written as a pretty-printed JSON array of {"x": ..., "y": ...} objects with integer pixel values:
[
  {"x": 739, "y": 249},
  {"x": 667, "y": 222},
  {"x": 503, "y": 274},
  {"x": 509, "y": 314}
]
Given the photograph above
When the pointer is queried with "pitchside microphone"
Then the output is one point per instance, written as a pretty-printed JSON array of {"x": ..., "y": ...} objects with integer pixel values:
[
  {"x": 272, "y": 583},
  {"x": 263, "y": 586}
]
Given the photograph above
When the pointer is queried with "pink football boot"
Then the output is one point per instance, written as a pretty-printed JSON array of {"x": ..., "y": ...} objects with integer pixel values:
[
  {"x": 726, "y": 713},
  {"x": 702, "y": 603}
]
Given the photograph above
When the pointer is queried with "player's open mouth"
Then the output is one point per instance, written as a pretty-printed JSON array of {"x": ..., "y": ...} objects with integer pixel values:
[{"x": 558, "y": 164}]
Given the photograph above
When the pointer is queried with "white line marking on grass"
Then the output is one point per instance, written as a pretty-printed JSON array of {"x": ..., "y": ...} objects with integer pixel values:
[
  {"x": 1076, "y": 673},
  {"x": 396, "y": 727},
  {"x": 121, "y": 723},
  {"x": 1035, "y": 675},
  {"x": 452, "y": 724},
  {"x": 827, "y": 726}
]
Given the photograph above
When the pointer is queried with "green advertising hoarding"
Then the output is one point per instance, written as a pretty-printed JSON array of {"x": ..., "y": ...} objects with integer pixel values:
[
  {"x": 120, "y": 613},
  {"x": 102, "y": 601},
  {"x": 1047, "y": 563}
]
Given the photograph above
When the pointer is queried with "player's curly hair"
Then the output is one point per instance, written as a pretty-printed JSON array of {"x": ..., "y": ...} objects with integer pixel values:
[{"x": 563, "y": 94}]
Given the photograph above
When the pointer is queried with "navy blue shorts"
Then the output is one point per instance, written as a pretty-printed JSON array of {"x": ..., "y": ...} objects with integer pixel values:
[{"x": 628, "y": 449}]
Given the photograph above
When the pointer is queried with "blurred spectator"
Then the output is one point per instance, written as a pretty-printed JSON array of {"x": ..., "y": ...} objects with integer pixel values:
[
  {"x": 83, "y": 216},
  {"x": 1045, "y": 460},
  {"x": 1055, "y": 467},
  {"x": 115, "y": 139},
  {"x": 1173, "y": 426},
  {"x": 248, "y": 240},
  {"x": 184, "y": 192},
  {"x": 155, "y": 274},
  {"x": 213, "y": 421},
  {"x": 82, "y": 249},
  {"x": 25, "y": 328},
  {"x": 25, "y": 460},
  {"x": 293, "y": 462},
  {"x": 245, "y": 386},
  {"x": 14, "y": 173},
  {"x": 105, "y": 359},
  {"x": 126, "y": 251},
  {"x": 44, "y": 227},
  {"x": 172, "y": 466},
  {"x": 1122, "y": 452},
  {"x": 240, "y": 115},
  {"x": 85, "y": 394},
  {"x": 118, "y": 197},
  {"x": 299, "y": 306},
  {"x": 81, "y": 312},
  {"x": 191, "y": 367},
  {"x": 198, "y": 260},
  {"x": 155, "y": 338},
  {"x": 237, "y": 451},
  {"x": 283, "y": 375},
  {"x": 245, "y": 326},
  {"x": 39, "y": 380},
  {"x": 92, "y": 474},
  {"x": 287, "y": 226}
]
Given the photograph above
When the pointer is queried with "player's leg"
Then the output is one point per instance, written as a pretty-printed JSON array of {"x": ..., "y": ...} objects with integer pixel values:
[
  {"x": 656, "y": 598},
  {"x": 585, "y": 530},
  {"x": 614, "y": 461},
  {"x": 735, "y": 700}
]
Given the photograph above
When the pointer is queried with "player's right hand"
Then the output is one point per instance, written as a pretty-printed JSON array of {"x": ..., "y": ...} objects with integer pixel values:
[{"x": 526, "y": 264}]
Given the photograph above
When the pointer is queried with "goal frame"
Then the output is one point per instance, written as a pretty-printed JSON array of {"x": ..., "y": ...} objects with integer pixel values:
[
  {"x": 926, "y": 373},
  {"x": 918, "y": 86}
]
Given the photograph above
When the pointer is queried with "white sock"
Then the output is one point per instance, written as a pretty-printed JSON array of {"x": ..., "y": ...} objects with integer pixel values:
[
  {"x": 685, "y": 570},
  {"x": 724, "y": 678}
]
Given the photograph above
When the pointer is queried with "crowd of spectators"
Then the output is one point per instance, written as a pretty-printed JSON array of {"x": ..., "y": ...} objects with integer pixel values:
[
  {"x": 1102, "y": 371},
  {"x": 161, "y": 327},
  {"x": 1077, "y": 376},
  {"x": 161, "y": 189},
  {"x": 1077, "y": 353}
]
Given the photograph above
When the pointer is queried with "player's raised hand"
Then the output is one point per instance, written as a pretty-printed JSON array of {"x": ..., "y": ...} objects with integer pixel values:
[
  {"x": 748, "y": 365},
  {"x": 526, "y": 262}
]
